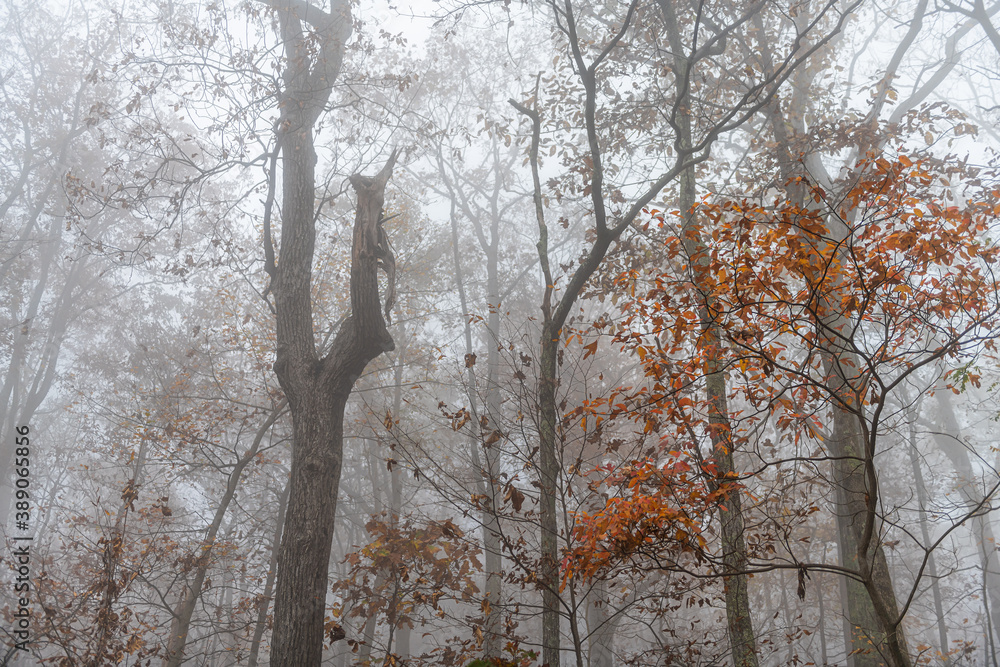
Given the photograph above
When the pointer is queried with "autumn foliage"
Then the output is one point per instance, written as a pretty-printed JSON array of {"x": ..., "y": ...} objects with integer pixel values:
[
  {"x": 656, "y": 511},
  {"x": 898, "y": 273},
  {"x": 406, "y": 572}
]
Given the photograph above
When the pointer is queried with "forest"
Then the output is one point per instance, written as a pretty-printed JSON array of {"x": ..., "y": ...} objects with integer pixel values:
[{"x": 500, "y": 333}]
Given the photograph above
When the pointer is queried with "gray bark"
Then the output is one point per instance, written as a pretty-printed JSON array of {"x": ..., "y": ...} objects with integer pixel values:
[
  {"x": 923, "y": 501},
  {"x": 601, "y": 626},
  {"x": 317, "y": 388},
  {"x": 948, "y": 440}
]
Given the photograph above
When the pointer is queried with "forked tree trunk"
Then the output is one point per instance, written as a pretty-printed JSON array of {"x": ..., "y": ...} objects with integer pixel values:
[
  {"x": 317, "y": 391},
  {"x": 876, "y": 629},
  {"x": 877, "y": 632},
  {"x": 317, "y": 387}
]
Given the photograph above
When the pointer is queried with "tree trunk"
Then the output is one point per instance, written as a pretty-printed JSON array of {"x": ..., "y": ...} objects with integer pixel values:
[
  {"x": 488, "y": 465},
  {"x": 871, "y": 601},
  {"x": 948, "y": 440},
  {"x": 317, "y": 388},
  {"x": 601, "y": 627},
  {"x": 272, "y": 570},
  {"x": 823, "y": 654},
  {"x": 877, "y": 631},
  {"x": 608, "y": 227},
  {"x": 548, "y": 379},
  {"x": 548, "y": 477},
  {"x": 734, "y": 554},
  {"x": 106, "y": 623},
  {"x": 371, "y": 623},
  {"x": 317, "y": 391},
  {"x": 923, "y": 501},
  {"x": 740, "y": 625},
  {"x": 181, "y": 623},
  {"x": 402, "y": 648}
]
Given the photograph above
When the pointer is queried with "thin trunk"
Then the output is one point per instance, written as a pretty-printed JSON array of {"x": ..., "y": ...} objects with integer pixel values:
[
  {"x": 15, "y": 409},
  {"x": 822, "y": 624},
  {"x": 106, "y": 623},
  {"x": 948, "y": 440},
  {"x": 734, "y": 554},
  {"x": 923, "y": 501},
  {"x": 548, "y": 380},
  {"x": 272, "y": 570},
  {"x": 991, "y": 647},
  {"x": 488, "y": 466},
  {"x": 574, "y": 626},
  {"x": 368, "y": 634},
  {"x": 601, "y": 627},
  {"x": 396, "y": 482},
  {"x": 548, "y": 477},
  {"x": 786, "y": 613},
  {"x": 371, "y": 622},
  {"x": 181, "y": 624},
  {"x": 845, "y": 620}
]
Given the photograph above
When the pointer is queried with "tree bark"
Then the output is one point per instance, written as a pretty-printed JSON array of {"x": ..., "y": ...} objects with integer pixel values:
[
  {"x": 608, "y": 227},
  {"x": 402, "y": 648},
  {"x": 317, "y": 388},
  {"x": 601, "y": 626},
  {"x": 734, "y": 553},
  {"x": 876, "y": 629},
  {"x": 923, "y": 502},
  {"x": 877, "y": 632},
  {"x": 487, "y": 465},
  {"x": 317, "y": 391}
]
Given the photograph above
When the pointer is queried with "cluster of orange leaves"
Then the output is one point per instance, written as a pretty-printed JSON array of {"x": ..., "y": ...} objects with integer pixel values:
[
  {"x": 908, "y": 274},
  {"x": 657, "y": 510}
]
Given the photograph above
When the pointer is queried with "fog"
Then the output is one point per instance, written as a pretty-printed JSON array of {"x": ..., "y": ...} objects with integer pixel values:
[{"x": 499, "y": 334}]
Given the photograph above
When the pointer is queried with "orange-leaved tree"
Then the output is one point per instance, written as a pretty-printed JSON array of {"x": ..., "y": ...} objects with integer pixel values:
[{"x": 826, "y": 309}]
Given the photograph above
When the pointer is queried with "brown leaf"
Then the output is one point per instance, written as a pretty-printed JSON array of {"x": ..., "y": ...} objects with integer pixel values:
[{"x": 514, "y": 496}]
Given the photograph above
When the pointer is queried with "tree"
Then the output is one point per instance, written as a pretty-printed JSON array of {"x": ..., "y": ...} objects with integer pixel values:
[
  {"x": 53, "y": 272},
  {"x": 592, "y": 44},
  {"x": 407, "y": 569},
  {"x": 912, "y": 282},
  {"x": 316, "y": 383}
]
